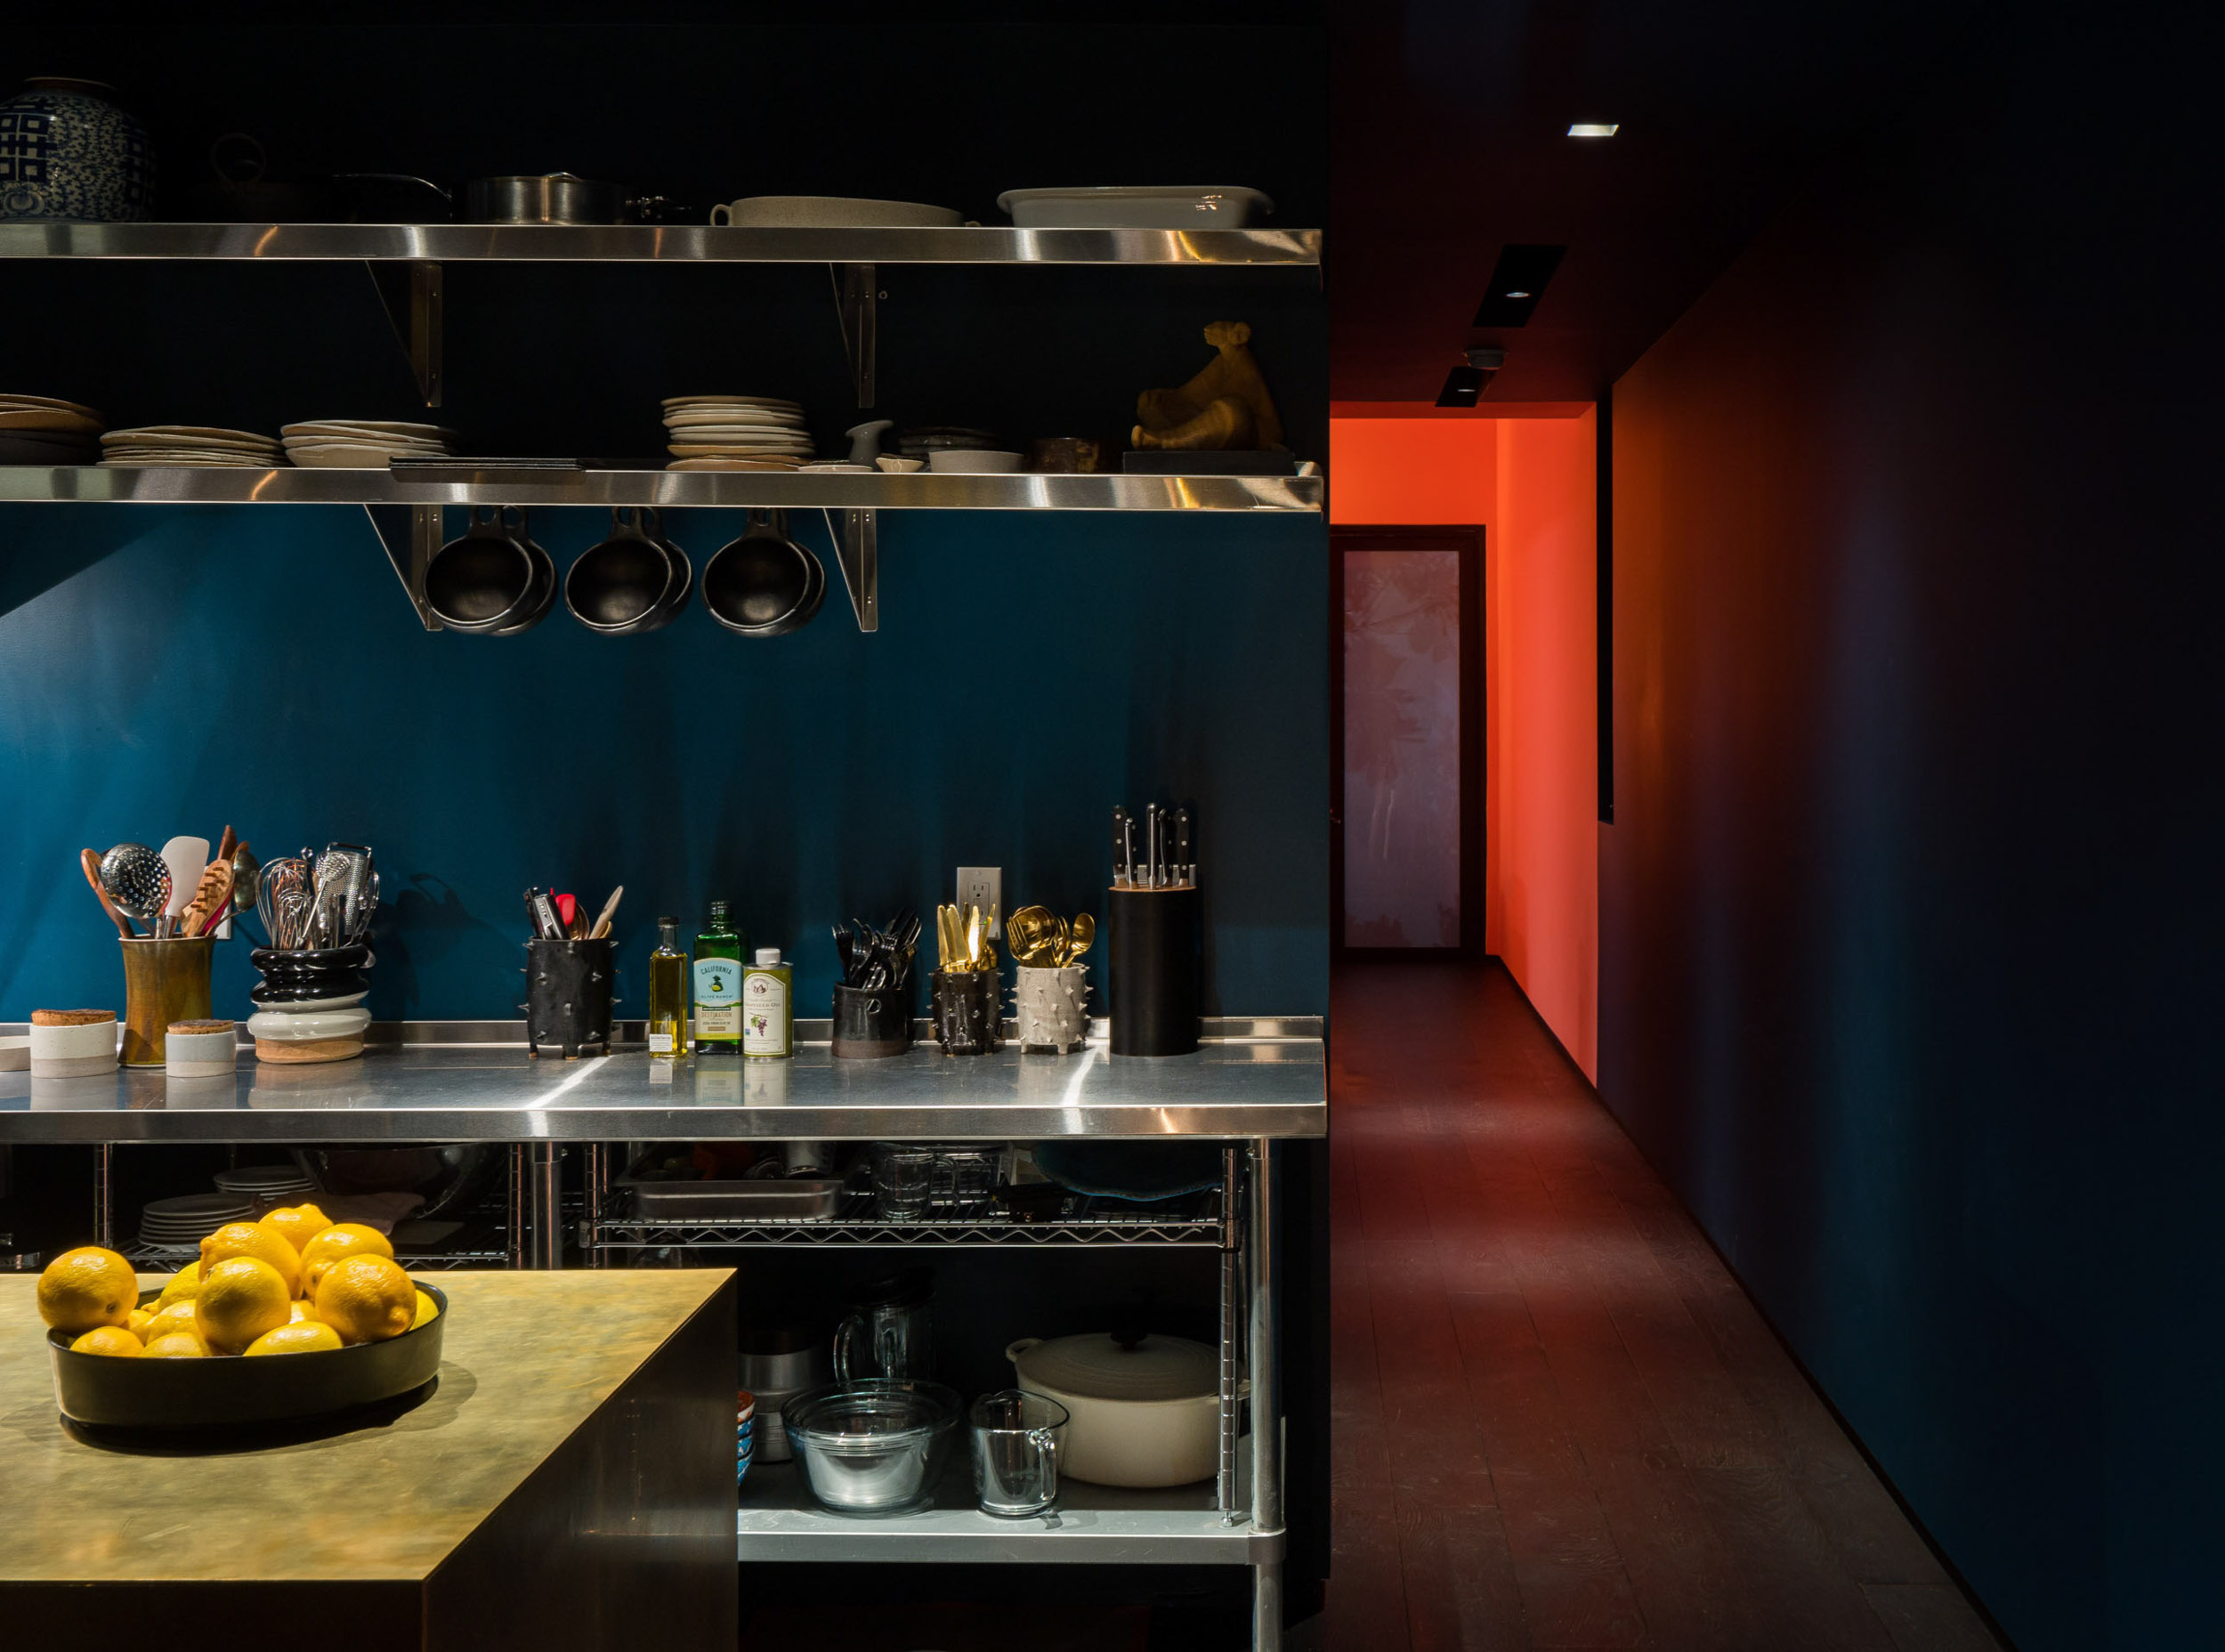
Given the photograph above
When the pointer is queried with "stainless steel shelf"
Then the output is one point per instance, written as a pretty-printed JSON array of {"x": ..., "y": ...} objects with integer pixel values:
[
  {"x": 1100, "y": 1525},
  {"x": 669, "y": 243},
  {"x": 103, "y": 484},
  {"x": 624, "y": 1233}
]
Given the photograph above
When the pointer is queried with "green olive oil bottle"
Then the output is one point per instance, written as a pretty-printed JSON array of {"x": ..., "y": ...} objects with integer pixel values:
[{"x": 718, "y": 986}]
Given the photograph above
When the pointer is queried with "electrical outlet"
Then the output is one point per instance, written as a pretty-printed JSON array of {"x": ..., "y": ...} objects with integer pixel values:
[{"x": 982, "y": 885}]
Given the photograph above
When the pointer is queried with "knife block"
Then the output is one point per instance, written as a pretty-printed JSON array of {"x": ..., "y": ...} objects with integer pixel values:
[
  {"x": 1155, "y": 976},
  {"x": 567, "y": 995}
]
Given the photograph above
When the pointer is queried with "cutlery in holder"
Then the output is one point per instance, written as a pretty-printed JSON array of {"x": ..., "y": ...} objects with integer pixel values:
[{"x": 568, "y": 996}]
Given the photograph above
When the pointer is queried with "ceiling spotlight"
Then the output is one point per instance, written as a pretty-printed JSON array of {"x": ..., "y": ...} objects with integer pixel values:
[
  {"x": 1517, "y": 282},
  {"x": 1463, "y": 384},
  {"x": 1595, "y": 129}
]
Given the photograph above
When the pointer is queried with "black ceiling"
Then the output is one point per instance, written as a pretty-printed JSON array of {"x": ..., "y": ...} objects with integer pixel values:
[{"x": 1448, "y": 142}]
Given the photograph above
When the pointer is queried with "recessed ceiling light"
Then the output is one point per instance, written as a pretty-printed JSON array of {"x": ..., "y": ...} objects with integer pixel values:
[
  {"x": 1517, "y": 283},
  {"x": 1462, "y": 385},
  {"x": 1595, "y": 129}
]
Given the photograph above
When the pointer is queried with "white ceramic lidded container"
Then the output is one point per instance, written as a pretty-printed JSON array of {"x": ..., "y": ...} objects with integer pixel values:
[
  {"x": 1145, "y": 1411},
  {"x": 75, "y": 1050},
  {"x": 200, "y": 1050}
]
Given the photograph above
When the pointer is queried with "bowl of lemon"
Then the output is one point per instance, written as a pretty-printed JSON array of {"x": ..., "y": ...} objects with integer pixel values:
[{"x": 291, "y": 1316}]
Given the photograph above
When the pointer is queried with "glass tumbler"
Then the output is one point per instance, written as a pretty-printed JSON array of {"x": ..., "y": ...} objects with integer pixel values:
[
  {"x": 1016, "y": 1441},
  {"x": 903, "y": 1185}
]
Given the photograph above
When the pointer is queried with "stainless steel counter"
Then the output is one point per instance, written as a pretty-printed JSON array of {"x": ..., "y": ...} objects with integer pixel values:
[{"x": 1247, "y": 1084}]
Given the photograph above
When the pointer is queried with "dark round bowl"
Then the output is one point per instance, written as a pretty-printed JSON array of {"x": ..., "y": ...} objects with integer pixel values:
[
  {"x": 762, "y": 585},
  {"x": 104, "y": 1391}
]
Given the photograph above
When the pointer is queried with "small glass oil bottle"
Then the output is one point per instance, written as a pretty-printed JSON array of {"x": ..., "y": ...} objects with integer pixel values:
[
  {"x": 669, "y": 992},
  {"x": 718, "y": 986}
]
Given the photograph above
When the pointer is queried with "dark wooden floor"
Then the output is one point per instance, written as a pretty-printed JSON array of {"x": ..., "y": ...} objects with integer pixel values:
[{"x": 1558, "y": 1422}]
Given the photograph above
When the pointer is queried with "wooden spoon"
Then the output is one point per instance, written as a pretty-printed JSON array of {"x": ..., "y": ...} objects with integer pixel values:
[{"x": 91, "y": 860}]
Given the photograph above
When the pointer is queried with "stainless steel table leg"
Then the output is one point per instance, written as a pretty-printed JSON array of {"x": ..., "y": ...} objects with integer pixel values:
[
  {"x": 519, "y": 1173},
  {"x": 544, "y": 1216},
  {"x": 1267, "y": 1410},
  {"x": 104, "y": 1195},
  {"x": 597, "y": 1180},
  {"x": 1232, "y": 1329}
]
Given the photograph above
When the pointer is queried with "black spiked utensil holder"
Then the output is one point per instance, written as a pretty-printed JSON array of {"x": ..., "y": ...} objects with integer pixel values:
[
  {"x": 1155, "y": 975},
  {"x": 568, "y": 996},
  {"x": 968, "y": 1011}
]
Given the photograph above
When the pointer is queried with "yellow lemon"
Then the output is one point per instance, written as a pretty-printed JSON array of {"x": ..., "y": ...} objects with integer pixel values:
[
  {"x": 253, "y": 1239},
  {"x": 367, "y": 1299},
  {"x": 137, "y": 1324},
  {"x": 169, "y": 1317},
  {"x": 183, "y": 1285},
  {"x": 241, "y": 1298},
  {"x": 85, "y": 1289},
  {"x": 304, "y": 1313},
  {"x": 178, "y": 1345},
  {"x": 303, "y": 1337},
  {"x": 342, "y": 1239},
  {"x": 297, "y": 1224},
  {"x": 109, "y": 1339},
  {"x": 427, "y": 1310}
]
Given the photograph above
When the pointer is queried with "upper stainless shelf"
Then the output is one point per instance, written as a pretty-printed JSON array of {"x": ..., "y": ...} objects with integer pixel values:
[
  {"x": 661, "y": 243},
  {"x": 776, "y": 490},
  {"x": 1243, "y": 1086}
]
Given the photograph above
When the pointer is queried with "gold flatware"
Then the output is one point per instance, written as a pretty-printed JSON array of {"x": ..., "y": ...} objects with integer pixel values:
[{"x": 1080, "y": 939}]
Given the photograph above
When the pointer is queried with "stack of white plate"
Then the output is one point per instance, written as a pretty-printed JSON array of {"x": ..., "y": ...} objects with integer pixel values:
[
  {"x": 361, "y": 443},
  {"x": 182, "y": 1224},
  {"x": 736, "y": 432},
  {"x": 38, "y": 430},
  {"x": 190, "y": 444},
  {"x": 267, "y": 1184}
]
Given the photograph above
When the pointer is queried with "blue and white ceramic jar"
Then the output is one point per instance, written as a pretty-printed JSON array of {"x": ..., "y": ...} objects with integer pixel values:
[{"x": 67, "y": 153}]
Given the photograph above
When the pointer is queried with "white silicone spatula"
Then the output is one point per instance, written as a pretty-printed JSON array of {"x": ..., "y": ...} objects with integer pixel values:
[{"x": 185, "y": 857}]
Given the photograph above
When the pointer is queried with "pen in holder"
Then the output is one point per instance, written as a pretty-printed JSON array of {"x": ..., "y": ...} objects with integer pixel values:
[
  {"x": 567, "y": 995},
  {"x": 1155, "y": 975},
  {"x": 165, "y": 980}
]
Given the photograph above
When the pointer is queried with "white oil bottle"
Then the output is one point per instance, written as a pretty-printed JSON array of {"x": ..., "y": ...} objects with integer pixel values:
[{"x": 768, "y": 1008}]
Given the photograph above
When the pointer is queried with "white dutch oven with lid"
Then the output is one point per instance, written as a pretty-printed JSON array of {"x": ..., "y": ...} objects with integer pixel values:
[{"x": 1146, "y": 1410}]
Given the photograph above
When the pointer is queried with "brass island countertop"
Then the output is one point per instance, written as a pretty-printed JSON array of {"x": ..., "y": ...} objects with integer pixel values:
[{"x": 581, "y": 1433}]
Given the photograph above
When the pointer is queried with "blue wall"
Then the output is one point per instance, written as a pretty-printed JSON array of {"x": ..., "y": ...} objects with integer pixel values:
[
  {"x": 1910, "y": 908},
  {"x": 262, "y": 666}
]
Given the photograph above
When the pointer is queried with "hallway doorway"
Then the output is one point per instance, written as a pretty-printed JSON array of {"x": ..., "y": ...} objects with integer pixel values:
[{"x": 1407, "y": 768}]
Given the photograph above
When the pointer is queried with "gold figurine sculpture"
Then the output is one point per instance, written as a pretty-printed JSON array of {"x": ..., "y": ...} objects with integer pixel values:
[{"x": 1226, "y": 406}]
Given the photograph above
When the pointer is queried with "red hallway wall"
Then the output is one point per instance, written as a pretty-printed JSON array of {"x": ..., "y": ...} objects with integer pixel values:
[
  {"x": 1529, "y": 483},
  {"x": 1541, "y": 620}
]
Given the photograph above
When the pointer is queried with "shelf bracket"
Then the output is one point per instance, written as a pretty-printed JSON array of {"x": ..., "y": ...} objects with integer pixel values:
[
  {"x": 857, "y": 547},
  {"x": 409, "y": 534},
  {"x": 410, "y": 291},
  {"x": 857, "y": 297}
]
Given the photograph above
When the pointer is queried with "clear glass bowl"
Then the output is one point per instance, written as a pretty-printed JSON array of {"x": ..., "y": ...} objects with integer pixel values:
[{"x": 872, "y": 1448}]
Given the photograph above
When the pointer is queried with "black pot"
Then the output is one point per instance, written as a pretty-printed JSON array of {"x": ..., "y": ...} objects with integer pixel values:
[
  {"x": 632, "y": 582},
  {"x": 309, "y": 974},
  {"x": 486, "y": 581},
  {"x": 764, "y": 584}
]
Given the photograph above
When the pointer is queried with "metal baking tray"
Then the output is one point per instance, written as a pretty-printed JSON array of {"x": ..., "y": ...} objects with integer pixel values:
[{"x": 736, "y": 1202}]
